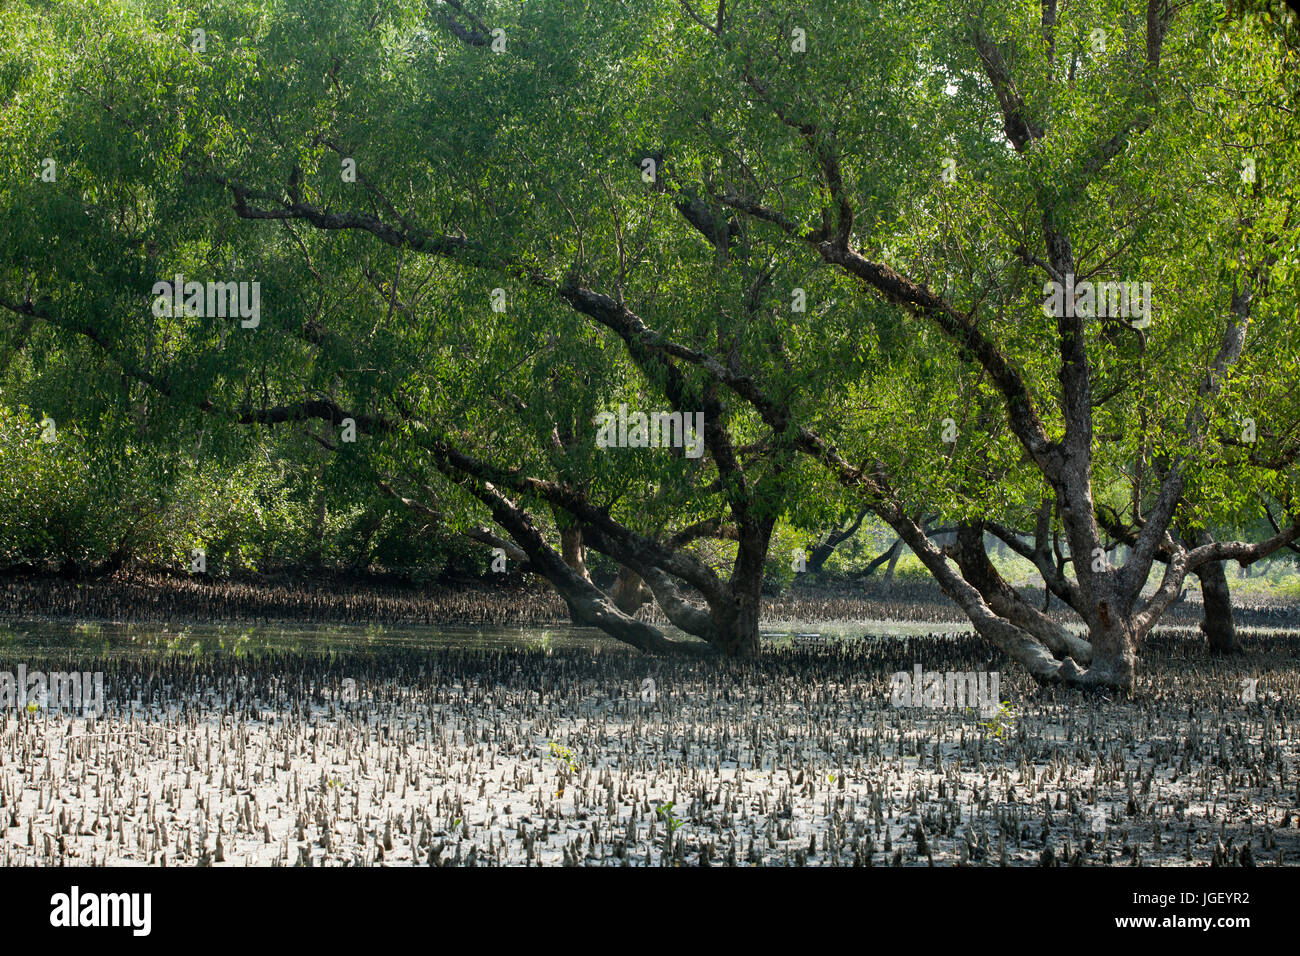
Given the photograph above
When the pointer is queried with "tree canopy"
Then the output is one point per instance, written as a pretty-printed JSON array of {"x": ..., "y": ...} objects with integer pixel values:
[{"x": 1028, "y": 266}]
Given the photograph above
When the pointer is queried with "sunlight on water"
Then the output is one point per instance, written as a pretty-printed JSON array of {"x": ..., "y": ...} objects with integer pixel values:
[{"x": 131, "y": 639}]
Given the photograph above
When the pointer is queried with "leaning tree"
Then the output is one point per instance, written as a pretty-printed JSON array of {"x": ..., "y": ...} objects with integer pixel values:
[
  {"x": 422, "y": 308},
  {"x": 1053, "y": 148},
  {"x": 828, "y": 230}
]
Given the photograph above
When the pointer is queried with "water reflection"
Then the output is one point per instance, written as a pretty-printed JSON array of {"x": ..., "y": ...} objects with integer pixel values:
[{"x": 139, "y": 639}]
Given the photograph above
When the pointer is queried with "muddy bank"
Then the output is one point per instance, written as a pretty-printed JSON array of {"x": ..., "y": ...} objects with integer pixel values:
[
  {"x": 523, "y": 757},
  {"x": 164, "y": 598},
  {"x": 510, "y": 602}
]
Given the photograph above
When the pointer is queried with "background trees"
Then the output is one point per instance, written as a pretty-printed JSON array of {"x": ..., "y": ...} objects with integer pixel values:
[
  {"x": 478, "y": 225},
  {"x": 1066, "y": 190}
]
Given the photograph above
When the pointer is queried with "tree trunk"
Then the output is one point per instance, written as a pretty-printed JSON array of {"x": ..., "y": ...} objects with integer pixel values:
[
  {"x": 589, "y": 606},
  {"x": 629, "y": 591},
  {"x": 680, "y": 612},
  {"x": 818, "y": 555},
  {"x": 366, "y": 530},
  {"x": 1217, "y": 622},
  {"x": 973, "y": 560},
  {"x": 893, "y": 560},
  {"x": 737, "y": 621},
  {"x": 736, "y": 617},
  {"x": 890, "y": 554},
  {"x": 837, "y": 536},
  {"x": 1013, "y": 641},
  {"x": 587, "y": 603},
  {"x": 1110, "y": 632},
  {"x": 1218, "y": 626},
  {"x": 574, "y": 551},
  {"x": 316, "y": 552}
]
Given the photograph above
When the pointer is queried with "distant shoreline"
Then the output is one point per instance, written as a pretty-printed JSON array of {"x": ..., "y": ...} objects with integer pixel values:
[{"x": 350, "y": 600}]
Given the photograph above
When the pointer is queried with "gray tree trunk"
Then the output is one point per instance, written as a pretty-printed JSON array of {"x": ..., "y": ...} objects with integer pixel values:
[{"x": 1219, "y": 626}]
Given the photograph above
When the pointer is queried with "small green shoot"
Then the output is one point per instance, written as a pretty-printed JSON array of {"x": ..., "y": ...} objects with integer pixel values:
[
  {"x": 666, "y": 814},
  {"x": 564, "y": 754},
  {"x": 1001, "y": 722}
]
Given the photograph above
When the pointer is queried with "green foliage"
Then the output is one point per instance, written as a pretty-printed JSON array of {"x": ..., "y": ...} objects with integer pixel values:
[
  {"x": 527, "y": 163},
  {"x": 76, "y": 506},
  {"x": 1002, "y": 723},
  {"x": 61, "y": 503},
  {"x": 565, "y": 756},
  {"x": 665, "y": 812}
]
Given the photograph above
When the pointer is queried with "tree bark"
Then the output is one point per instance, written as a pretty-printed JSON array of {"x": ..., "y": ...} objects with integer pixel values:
[
  {"x": 1013, "y": 641},
  {"x": 1218, "y": 625},
  {"x": 630, "y": 592},
  {"x": 736, "y": 617},
  {"x": 893, "y": 560},
  {"x": 681, "y": 612},
  {"x": 573, "y": 550},
  {"x": 1217, "y": 622},
  {"x": 973, "y": 560},
  {"x": 587, "y": 603},
  {"x": 823, "y": 550},
  {"x": 1111, "y": 634}
]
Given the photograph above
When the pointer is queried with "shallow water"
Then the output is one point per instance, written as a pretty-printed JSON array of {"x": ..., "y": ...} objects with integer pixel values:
[
  {"x": 141, "y": 639},
  {"x": 446, "y": 746},
  {"x": 137, "y": 639},
  {"x": 133, "y": 640}
]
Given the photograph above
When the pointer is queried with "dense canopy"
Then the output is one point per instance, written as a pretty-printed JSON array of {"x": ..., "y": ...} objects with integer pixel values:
[{"x": 1030, "y": 267}]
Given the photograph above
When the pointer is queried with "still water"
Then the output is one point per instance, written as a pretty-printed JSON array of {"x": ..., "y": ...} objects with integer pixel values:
[{"x": 140, "y": 639}]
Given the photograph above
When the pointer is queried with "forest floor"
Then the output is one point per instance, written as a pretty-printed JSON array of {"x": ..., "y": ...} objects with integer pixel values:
[
  {"x": 531, "y": 756},
  {"x": 509, "y": 601}
]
